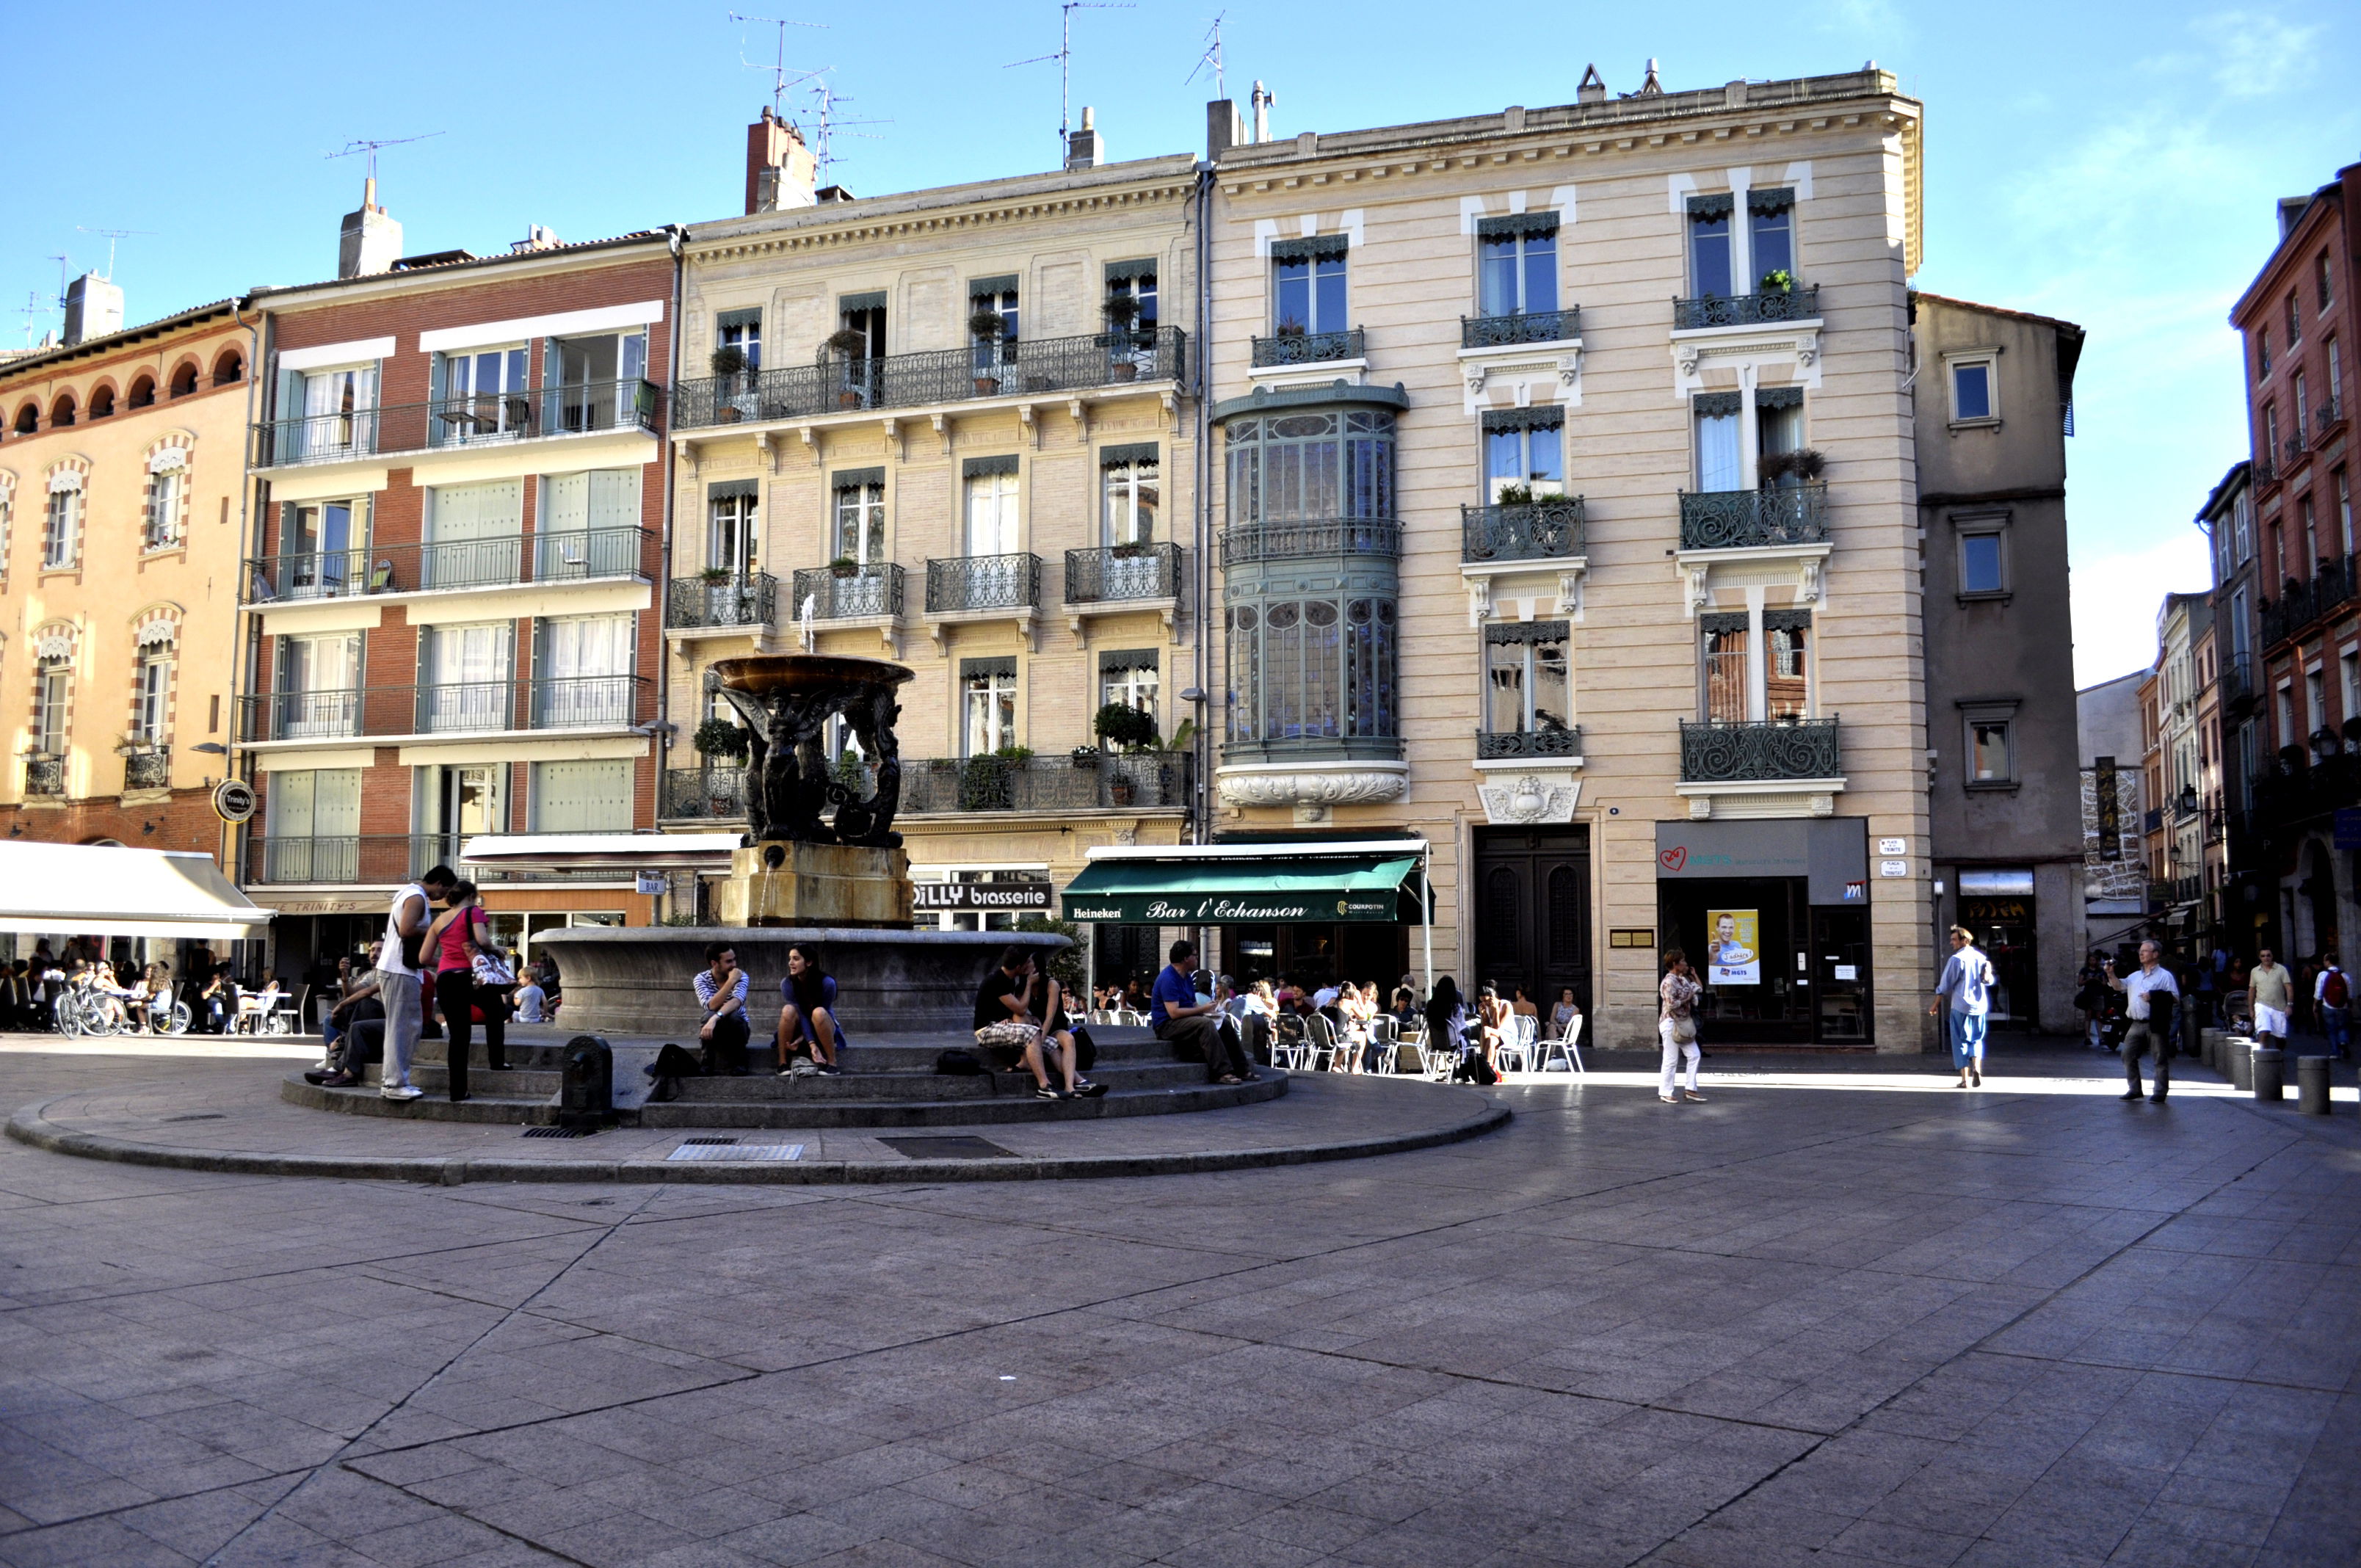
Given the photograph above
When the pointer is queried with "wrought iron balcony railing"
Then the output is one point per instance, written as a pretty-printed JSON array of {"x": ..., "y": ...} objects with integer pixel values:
[
  {"x": 701, "y": 795},
  {"x": 504, "y": 561},
  {"x": 959, "y": 583},
  {"x": 748, "y": 600},
  {"x": 1520, "y": 326},
  {"x": 453, "y": 708},
  {"x": 939, "y": 376},
  {"x": 2301, "y": 603},
  {"x": 385, "y": 858},
  {"x": 861, "y": 593},
  {"x": 148, "y": 769},
  {"x": 1290, "y": 540},
  {"x": 2323, "y": 419},
  {"x": 1747, "y": 310},
  {"x": 1309, "y": 347},
  {"x": 1540, "y": 745},
  {"x": 44, "y": 776},
  {"x": 1714, "y": 752},
  {"x": 1525, "y": 531},
  {"x": 486, "y": 420},
  {"x": 2238, "y": 681},
  {"x": 2295, "y": 447},
  {"x": 1121, "y": 572},
  {"x": 1128, "y": 781},
  {"x": 1754, "y": 520}
]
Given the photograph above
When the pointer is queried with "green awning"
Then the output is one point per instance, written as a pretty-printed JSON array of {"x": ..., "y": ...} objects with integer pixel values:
[{"x": 1246, "y": 891}]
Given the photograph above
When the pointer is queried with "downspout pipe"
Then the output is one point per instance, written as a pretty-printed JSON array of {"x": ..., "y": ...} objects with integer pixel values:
[
  {"x": 674, "y": 234},
  {"x": 1202, "y": 806},
  {"x": 242, "y": 637}
]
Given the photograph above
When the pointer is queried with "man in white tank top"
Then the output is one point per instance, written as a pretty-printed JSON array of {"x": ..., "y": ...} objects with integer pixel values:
[{"x": 398, "y": 964}]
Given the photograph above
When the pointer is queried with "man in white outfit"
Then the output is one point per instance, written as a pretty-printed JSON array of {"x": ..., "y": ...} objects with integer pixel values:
[
  {"x": 398, "y": 963},
  {"x": 2149, "y": 994}
]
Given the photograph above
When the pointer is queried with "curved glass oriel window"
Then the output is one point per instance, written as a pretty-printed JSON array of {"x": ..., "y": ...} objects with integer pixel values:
[
  {"x": 1290, "y": 467},
  {"x": 1312, "y": 669}
]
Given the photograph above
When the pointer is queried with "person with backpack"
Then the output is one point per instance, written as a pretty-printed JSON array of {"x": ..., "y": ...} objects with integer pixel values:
[
  {"x": 1967, "y": 982},
  {"x": 2149, "y": 995},
  {"x": 2332, "y": 997}
]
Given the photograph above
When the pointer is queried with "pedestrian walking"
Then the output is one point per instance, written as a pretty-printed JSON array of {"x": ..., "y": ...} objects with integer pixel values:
[
  {"x": 2332, "y": 997},
  {"x": 398, "y": 964},
  {"x": 2270, "y": 989},
  {"x": 1676, "y": 996},
  {"x": 1967, "y": 985},
  {"x": 2150, "y": 995}
]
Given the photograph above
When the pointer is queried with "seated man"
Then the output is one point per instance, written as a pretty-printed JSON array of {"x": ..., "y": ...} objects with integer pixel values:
[
  {"x": 341, "y": 1032},
  {"x": 1002, "y": 1027},
  {"x": 721, "y": 998},
  {"x": 1178, "y": 1017}
]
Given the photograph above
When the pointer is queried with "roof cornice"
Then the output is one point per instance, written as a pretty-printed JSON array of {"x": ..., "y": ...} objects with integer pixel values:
[
  {"x": 585, "y": 256},
  {"x": 202, "y": 318}
]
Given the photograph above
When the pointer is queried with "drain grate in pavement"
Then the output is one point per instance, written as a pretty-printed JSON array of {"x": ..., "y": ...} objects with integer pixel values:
[
  {"x": 558, "y": 1132},
  {"x": 948, "y": 1149},
  {"x": 731, "y": 1148},
  {"x": 200, "y": 1116}
]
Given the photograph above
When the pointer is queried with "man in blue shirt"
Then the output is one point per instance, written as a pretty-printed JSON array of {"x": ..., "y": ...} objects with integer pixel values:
[{"x": 1178, "y": 1017}]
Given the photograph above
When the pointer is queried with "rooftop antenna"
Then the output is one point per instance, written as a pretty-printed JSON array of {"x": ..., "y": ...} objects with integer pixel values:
[
  {"x": 32, "y": 307},
  {"x": 1211, "y": 56},
  {"x": 61, "y": 260},
  {"x": 1065, "y": 57},
  {"x": 778, "y": 67},
  {"x": 369, "y": 149},
  {"x": 111, "y": 235},
  {"x": 826, "y": 125}
]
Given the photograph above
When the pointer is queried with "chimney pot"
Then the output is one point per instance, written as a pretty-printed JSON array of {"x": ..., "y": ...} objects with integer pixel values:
[
  {"x": 371, "y": 242},
  {"x": 93, "y": 308},
  {"x": 1082, "y": 150},
  {"x": 781, "y": 172}
]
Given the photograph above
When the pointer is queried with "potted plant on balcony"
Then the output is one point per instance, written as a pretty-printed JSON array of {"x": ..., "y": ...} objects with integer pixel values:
[
  {"x": 1131, "y": 549},
  {"x": 844, "y": 566},
  {"x": 1121, "y": 313},
  {"x": 987, "y": 327},
  {"x": 719, "y": 739},
  {"x": 1778, "y": 280},
  {"x": 1084, "y": 757},
  {"x": 714, "y": 576},
  {"x": 729, "y": 364},
  {"x": 1514, "y": 495},
  {"x": 850, "y": 349},
  {"x": 1776, "y": 470}
]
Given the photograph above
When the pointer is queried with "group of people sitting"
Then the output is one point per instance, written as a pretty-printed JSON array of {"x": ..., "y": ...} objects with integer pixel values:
[
  {"x": 131, "y": 998},
  {"x": 807, "y": 1039}
]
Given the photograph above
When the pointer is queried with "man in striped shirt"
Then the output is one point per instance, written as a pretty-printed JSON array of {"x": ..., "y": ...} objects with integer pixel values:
[{"x": 721, "y": 991}]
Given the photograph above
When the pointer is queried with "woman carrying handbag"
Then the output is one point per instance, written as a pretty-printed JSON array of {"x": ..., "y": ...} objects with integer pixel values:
[{"x": 1676, "y": 1023}]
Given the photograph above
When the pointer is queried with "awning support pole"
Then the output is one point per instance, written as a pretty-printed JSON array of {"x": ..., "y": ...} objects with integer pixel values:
[{"x": 1426, "y": 910}]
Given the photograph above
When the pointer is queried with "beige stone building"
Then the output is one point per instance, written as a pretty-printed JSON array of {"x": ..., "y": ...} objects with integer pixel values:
[
  {"x": 1567, "y": 524},
  {"x": 955, "y": 428}
]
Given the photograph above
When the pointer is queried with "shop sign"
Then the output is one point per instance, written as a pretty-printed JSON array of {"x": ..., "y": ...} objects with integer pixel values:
[
  {"x": 1216, "y": 909},
  {"x": 650, "y": 881},
  {"x": 1029, "y": 895},
  {"x": 1831, "y": 854},
  {"x": 233, "y": 800},
  {"x": 1734, "y": 952}
]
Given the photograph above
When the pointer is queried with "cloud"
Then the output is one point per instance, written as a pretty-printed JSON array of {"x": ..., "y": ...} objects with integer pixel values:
[
  {"x": 2254, "y": 54},
  {"x": 2117, "y": 595}
]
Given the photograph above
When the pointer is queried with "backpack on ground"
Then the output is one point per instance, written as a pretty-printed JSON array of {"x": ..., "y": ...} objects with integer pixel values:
[
  {"x": 959, "y": 1064},
  {"x": 1474, "y": 1068}
]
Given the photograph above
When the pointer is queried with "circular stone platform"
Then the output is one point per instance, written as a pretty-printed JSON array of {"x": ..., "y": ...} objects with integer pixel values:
[{"x": 236, "y": 1120}]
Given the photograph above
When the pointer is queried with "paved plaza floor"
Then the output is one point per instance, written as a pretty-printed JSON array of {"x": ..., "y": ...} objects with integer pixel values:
[{"x": 1837, "y": 1313}]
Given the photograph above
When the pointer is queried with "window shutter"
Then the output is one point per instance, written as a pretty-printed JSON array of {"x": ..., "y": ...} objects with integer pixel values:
[
  {"x": 615, "y": 497},
  {"x": 582, "y": 797}
]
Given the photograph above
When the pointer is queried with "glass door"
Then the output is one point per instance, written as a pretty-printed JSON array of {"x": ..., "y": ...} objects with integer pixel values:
[
  {"x": 461, "y": 803},
  {"x": 468, "y": 678},
  {"x": 585, "y": 672},
  {"x": 484, "y": 397},
  {"x": 992, "y": 514},
  {"x": 1840, "y": 955},
  {"x": 322, "y": 558}
]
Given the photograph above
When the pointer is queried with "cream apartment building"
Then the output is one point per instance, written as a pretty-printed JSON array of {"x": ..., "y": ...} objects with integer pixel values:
[
  {"x": 954, "y": 428},
  {"x": 1566, "y": 513}
]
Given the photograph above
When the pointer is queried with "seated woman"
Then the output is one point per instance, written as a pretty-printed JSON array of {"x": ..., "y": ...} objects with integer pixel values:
[
  {"x": 1491, "y": 1023},
  {"x": 1446, "y": 1021},
  {"x": 1566, "y": 1016},
  {"x": 1358, "y": 1004},
  {"x": 807, "y": 1028},
  {"x": 1044, "y": 1003}
]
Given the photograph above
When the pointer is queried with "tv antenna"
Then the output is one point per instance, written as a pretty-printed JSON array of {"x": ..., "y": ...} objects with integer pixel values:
[
  {"x": 1065, "y": 57},
  {"x": 778, "y": 67},
  {"x": 111, "y": 235},
  {"x": 63, "y": 269},
  {"x": 369, "y": 147},
  {"x": 31, "y": 308},
  {"x": 826, "y": 126},
  {"x": 1211, "y": 56}
]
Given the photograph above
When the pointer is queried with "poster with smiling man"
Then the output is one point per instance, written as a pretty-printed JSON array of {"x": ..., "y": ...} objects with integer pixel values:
[{"x": 1734, "y": 949}]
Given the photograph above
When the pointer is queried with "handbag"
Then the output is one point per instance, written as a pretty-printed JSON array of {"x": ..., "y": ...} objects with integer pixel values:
[{"x": 1684, "y": 1031}]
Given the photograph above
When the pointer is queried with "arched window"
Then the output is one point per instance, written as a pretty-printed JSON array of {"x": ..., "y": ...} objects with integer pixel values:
[
  {"x": 228, "y": 369},
  {"x": 61, "y": 413},
  {"x": 102, "y": 401},
  {"x": 184, "y": 379},
  {"x": 28, "y": 419},
  {"x": 143, "y": 392}
]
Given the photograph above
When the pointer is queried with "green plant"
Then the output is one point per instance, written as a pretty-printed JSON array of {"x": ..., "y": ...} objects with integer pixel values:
[
  {"x": 720, "y": 738},
  {"x": 1131, "y": 549},
  {"x": 1120, "y": 310},
  {"x": 1185, "y": 736},
  {"x": 988, "y": 326},
  {"x": 1014, "y": 753},
  {"x": 1124, "y": 726},
  {"x": 848, "y": 344},
  {"x": 715, "y": 575},
  {"x": 728, "y": 360},
  {"x": 689, "y": 919},
  {"x": 1514, "y": 496},
  {"x": 1084, "y": 756},
  {"x": 1065, "y": 965},
  {"x": 850, "y": 771},
  {"x": 1802, "y": 465},
  {"x": 845, "y": 567},
  {"x": 1778, "y": 282},
  {"x": 1293, "y": 329}
]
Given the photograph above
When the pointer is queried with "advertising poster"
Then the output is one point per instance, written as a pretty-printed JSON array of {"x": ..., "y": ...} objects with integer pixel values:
[{"x": 1734, "y": 950}]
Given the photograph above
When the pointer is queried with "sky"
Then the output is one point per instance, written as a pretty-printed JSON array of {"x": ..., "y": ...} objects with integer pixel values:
[{"x": 2111, "y": 163}]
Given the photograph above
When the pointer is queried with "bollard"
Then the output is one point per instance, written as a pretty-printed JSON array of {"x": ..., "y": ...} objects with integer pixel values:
[
  {"x": 2242, "y": 1062},
  {"x": 2269, "y": 1084},
  {"x": 587, "y": 1084},
  {"x": 2190, "y": 1038},
  {"x": 2208, "y": 1048},
  {"x": 2312, "y": 1085}
]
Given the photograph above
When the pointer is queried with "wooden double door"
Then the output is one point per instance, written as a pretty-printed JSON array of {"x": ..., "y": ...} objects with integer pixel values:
[{"x": 1532, "y": 913}]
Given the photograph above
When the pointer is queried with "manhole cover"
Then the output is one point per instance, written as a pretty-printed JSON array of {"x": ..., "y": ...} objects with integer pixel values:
[
  {"x": 731, "y": 1148},
  {"x": 558, "y": 1132},
  {"x": 709, "y": 1140},
  {"x": 948, "y": 1149}
]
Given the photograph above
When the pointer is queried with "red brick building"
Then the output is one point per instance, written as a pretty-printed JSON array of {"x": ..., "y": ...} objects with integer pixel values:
[{"x": 452, "y": 624}]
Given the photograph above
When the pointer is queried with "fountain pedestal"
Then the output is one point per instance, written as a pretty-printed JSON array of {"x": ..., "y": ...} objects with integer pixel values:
[{"x": 783, "y": 882}]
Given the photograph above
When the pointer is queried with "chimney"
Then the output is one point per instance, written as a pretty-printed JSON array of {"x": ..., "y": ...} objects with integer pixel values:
[
  {"x": 537, "y": 236},
  {"x": 371, "y": 242},
  {"x": 1223, "y": 129},
  {"x": 1262, "y": 102},
  {"x": 1083, "y": 144},
  {"x": 780, "y": 171},
  {"x": 93, "y": 308},
  {"x": 1593, "y": 87}
]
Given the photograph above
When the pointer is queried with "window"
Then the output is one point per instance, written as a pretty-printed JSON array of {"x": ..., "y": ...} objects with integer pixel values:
[
  {"x": 1778, "y": 428},
  {"x": 1983, "y": 555},
  {"x": 1313, "y": 669},
  {"x": 61, "y": 529},
  {"x": 730, "y": 537},
  {"x": 1771, "y": 233},
  {"x": 143, "y": 393},
  {"x": 2348, "y": 670},
  {"x": 336, "y": 412},
  {"x": 1710, "y": 250},
  {"x": 1728, "y": 668},
  {"x": 1988, "y": 761},
  {"x": 2321, "y": 283},
  {"x": 860, "y": 516},
  {"x": 228, "y": 369},
  {"x": 1524, "y": 448},
  {"x": 1291, "y": 466},
  {"x": 582, "y": 797},
  {"x": 323, "y": 803},
  {"x": 988, "y": 700},
  {"x": 1528, "y": 684},
  {"x": 992, "y": 524},
  {"x": 162, "y": 522},
  {"x": 1129, "y": 677},
  {"x": 322, "y": 550},
  {"x": 2294, "y": 320},
  {"x": 466, "y": 670},
  {"x": 2304, "y": 523},
  {"x": 184, "y": 379},
  {"x": 102, "y": 401},
  {"x": 8, "y": 519},
  {"x": 995, "y": 297},
  {"x": 589, "y": 525},
  {"x": 52, "y": 691},
  {"x": 482, "y": 393},
  {"x": 1517, "y": 264},
  {"x": 1135, "y": 282},
  {"x": 1726, "y": 697},
  {"x": 740, "y": 330},
  {"x": 61, "y": 413},
  {"x": 1308, "y": 285},
  {"x": 1786, "y": 667},
  {"x": 2270, "y": 435},
  {"x": 584, "y": 667},
  {"x": 151, "y": 689},
  {"x": 2241, "y": 522},
  {"x": 2262, "y": 352},
  {"x": 1129, "y": 491},
  {"x": 863, "y": 315},
  {"x": 596, "y": 383},
  {"x": 475, "y": 535},
  {"x": 2298, "y": 395},
  {"x": 1718, "y": 464},
  {"x": 28, "y": 419},
  {"x": 2342, "y": 486},
  {"x": 2335, "y": 405},
  {"x": 2287, "y": 733},
  {"x": 1974, "y": 398},
  {"x": 2315, "y": 692}
]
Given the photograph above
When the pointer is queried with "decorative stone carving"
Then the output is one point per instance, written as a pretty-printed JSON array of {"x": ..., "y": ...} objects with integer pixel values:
[
  {"x": 1807, "y": 582},
  {"x": 1532, "y": 798},
  {"x": 1344, "y": 784},
  {"x": 1480, "y": 600},
  {"x": 1700, "y": 590},
  {"x": 1569, "y": 594},
  {"x": 786, "y": 700},
  {"x": 168, "y": 458}
]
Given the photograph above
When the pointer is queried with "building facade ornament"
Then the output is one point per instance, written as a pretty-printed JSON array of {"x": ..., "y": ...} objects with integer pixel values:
[{"x": 1531, "y": 798}]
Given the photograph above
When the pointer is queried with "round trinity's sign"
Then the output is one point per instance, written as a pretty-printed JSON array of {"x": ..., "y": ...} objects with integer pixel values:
[{"x": 233, "y": 800}]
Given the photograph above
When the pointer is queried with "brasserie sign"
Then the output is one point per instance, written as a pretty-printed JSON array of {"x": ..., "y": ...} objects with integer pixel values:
[{"x": 1031, "y": 896}]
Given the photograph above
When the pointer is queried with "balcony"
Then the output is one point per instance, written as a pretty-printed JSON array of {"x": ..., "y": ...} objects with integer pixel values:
[
  {"x": 1561, "y": 745},
  {"x": 718, "y": 602},
  {"x": 2284, "y": 798},
  {"x": 1754, "y": 520},
  {"x": 963, "y": 585},
  {"x": 2325, "y": 419},
  {"x": 1136, "y": 781},
  {"x": 470, "y": 423},
  {"x": 1774, "y": 751},
  {"x": 386, "y": 859},
  {"x": 1549, "y": 529},
  {"x": 447, "y": 708},
  {"x": 869, "y": 593},
  {"x": 147, "y": 770},
  {"x": 1307, "y": 538},
  {"x": 703, "y": 795},
  {"x": 2175, "y": 893},
  {"x": 1123, "y": 578},
  {"x": 2237, "y": 684},
  {"x": 44, "y": 777},
  {"x": 1521, "y": 327},
  {"x": 2303, "y": 603},
  {"x": 504, "y": 561},
  {"x": 1288, "y": 348},
  {"x": 1747, "y": 310},
  {"x": 943, "y": 375}
]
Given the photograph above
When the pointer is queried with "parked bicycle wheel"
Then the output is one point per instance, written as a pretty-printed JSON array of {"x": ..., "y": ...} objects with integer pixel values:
[
  {"x": 66, "y": 1012},
  {"x": 175, "y": 1022}
]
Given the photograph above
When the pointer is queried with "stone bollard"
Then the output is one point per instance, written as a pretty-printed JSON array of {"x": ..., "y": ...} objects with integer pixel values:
[
  {"x": 2312, "y": 1085},
  {"x": 2242, "y": 1062},
  {"x": 2208, "y": 1048},
  {"x": 2269, "y": 1085}
]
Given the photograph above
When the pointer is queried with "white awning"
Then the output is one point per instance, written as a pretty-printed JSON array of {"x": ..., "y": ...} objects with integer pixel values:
[
  {"x": 91, "y": 889},
  {"x": 650, "y": 851}
]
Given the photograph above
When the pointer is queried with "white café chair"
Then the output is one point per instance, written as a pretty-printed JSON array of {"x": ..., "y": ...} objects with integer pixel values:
[
  {"x": 1385, "y": 1043},
  {"x": 1565, "y": 1046},
  {"x": 1517, "y": 1044}
]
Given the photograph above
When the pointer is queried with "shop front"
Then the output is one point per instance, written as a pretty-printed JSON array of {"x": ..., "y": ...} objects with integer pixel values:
[
  {"x": 1997, "y": 907},
  {"x": 1775, "y": 918}
]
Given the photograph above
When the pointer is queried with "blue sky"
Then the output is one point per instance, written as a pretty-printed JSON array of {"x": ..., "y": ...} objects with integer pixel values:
[{"x": 2115, "y": 164}]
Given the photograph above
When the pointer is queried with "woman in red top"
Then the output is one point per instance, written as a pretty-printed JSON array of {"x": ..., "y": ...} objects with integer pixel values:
[{"x": 450, "y": 948}]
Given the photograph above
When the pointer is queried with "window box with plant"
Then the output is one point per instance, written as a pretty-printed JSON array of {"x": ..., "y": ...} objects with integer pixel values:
[
  {"x": 1125, "y": 356},
  {"x": 844, "y": 566},
  {"x": 988, "y": 327},
  {"x": 851, "y": 347}
]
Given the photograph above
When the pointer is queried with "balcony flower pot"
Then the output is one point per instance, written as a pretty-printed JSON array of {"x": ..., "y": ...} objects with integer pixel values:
[
  {"x": 714, "y": 575},
  {"x": 1131, "y": 550},
  {"x": 844, "y": 566},
  {"x": 1123, "y": 791},
  {"x": 718, "y": 737},
  {"x": 1780, "y": 281}
]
